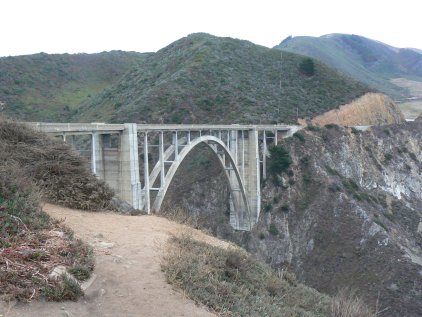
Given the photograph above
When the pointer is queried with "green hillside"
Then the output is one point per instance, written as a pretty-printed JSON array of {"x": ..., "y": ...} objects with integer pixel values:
[
  {"x": 50, "y": 87},
  {"x": 369, "y": 61},
  {"x": 203, "y": 78}
]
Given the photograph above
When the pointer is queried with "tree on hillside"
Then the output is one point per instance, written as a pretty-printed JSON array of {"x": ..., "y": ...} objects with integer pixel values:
[{"x": 307, "y": 67}]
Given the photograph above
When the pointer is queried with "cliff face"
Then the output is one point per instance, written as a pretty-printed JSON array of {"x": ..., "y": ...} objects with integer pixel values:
[
  {"x": 347, "y": 213},
  {"x": 370, "y": 109}
]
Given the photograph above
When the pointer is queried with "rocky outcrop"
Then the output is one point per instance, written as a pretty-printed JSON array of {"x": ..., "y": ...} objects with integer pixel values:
[
  {"x": 348, "y": 214},
  {"x": 370, "y": 109},
  {"x": 419, "y": 118}
]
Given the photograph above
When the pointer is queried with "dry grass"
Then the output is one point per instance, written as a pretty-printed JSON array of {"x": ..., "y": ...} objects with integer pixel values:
[
  {"x": 232, "y": 283},
  {"x": 347, "y": 304},
  {"x": 57, "y": 171},
  {"x": 31, "y": 243}
]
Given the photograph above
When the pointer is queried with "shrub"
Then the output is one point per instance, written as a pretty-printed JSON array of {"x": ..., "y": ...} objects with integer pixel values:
[
  {"x": 313, "y": 128},
  {"x": 280, "y": 159},
  {"x": 268, "y": 207},
  {"x": 387, "y": 157},
  {"x": 307, "y": 67},
  {"x": 273, "y": 229},
  {"x": 332, "y": 126},
  {"x": 300, "y": 136}
]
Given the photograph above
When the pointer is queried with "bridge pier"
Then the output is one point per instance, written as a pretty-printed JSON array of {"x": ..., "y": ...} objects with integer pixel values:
[{"x": 130, "y": 186}]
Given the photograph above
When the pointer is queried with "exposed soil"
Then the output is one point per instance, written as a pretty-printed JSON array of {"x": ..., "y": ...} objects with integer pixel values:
[{"x": 127, "y": 280}]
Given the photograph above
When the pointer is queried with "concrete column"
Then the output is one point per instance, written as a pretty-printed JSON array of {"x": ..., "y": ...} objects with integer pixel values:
[
  {"x": 97, "y": 155},
  {"x": 129, "y": 166},
  {"x": 161, "y": 157},
  {"x": 176, "y": 146},
  {"x": 233, "y": 144},
  {"x": 264, "y": 156},
  {"x": 147, "y": 201},
  {"x": 252, "y": 183},
  {"x": 243, "y": 156}
]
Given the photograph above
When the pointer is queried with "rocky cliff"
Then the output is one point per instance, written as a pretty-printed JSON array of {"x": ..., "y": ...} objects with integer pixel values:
[
  {"x": 347, "y": 213},
  {"x": 370, "y": 109}
]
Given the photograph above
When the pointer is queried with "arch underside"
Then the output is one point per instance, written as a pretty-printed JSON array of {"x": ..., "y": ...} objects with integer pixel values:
[{"x": 240, "y": 213}]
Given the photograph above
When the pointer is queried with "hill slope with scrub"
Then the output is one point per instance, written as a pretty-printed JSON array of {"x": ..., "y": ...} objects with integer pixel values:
[
  {"x": 50, "y": 87},
  {"x": 35, "y": 168},
  {"x": 206, "y": 79}
]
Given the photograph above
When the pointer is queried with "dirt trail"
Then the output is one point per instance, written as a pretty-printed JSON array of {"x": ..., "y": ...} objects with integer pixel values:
[{"x": 128, "y": 280}]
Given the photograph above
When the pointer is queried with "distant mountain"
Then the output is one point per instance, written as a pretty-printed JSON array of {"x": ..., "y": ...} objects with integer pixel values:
[
  {"x": 202, "y": 78},
  {"x": 372, "y": 62},
  {"x": 50, "y": 87}
]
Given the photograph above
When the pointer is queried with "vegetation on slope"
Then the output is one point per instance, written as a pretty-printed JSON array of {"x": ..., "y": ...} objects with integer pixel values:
[
  {"x": 202, "y": 79},
  {"x": 31, "y": 243},
  {"x": 369, "y": 61},
  {"x": 45, "y": 87},
  {"x": 232, "y": 283},
  {"x": 57, "y": 171}
]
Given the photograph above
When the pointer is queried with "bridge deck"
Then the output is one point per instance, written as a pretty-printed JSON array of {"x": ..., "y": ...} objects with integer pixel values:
[{"x": 116, "y": 128}]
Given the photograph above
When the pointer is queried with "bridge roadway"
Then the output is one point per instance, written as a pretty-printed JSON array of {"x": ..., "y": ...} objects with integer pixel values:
[
  {"x": 242, "y": 151},
  {"x": 84, "y": 128}
]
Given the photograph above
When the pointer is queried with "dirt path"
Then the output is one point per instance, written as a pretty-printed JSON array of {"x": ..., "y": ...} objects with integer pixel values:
[{"x": 128, "y": 280}]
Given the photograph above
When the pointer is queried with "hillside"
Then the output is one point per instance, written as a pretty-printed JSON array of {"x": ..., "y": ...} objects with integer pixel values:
[
  {"x": 34, "y": 167},
  {"x": 45, "y": 87},
  {"x": 372, "y": 62},
  {"x": 202, "y": 78}
]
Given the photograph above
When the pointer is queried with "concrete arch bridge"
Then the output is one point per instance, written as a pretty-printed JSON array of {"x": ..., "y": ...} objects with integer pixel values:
[{"x": 139, "y": 161}]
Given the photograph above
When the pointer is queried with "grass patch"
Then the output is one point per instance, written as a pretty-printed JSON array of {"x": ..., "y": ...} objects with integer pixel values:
[
  {"x": 347, "y": 304},
  {"x": 65, "y": 289},
  {"x": 232, "y": 283}
]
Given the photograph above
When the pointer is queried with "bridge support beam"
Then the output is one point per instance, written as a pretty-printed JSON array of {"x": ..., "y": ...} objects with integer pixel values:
[
  {"x": 252, "y": 177},
  {"x": 130, "y": 186},
  {"x": 97, "y": 155}
]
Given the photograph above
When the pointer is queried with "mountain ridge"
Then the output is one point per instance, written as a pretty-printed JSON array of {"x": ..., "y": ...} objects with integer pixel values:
[
  {"x": 370, "y": 61},
  {"x": 203, "y": 78}
]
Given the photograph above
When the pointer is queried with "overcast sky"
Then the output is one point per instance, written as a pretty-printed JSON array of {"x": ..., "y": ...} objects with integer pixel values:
[{"x": 63, "y": 26}]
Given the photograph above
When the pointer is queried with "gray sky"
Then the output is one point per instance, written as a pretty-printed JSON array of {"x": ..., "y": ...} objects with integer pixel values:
[{"x": 63, "y": 26}]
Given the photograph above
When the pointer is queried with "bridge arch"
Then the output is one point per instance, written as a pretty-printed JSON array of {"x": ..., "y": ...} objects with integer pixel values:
[{"x": 241, "y": 213}]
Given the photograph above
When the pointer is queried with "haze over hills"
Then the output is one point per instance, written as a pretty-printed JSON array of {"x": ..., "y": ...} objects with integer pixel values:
[
  {"x": 394, "y": 71},
  {"x": 50, "y": 87},
  {"x": 202, "y": 78}
]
